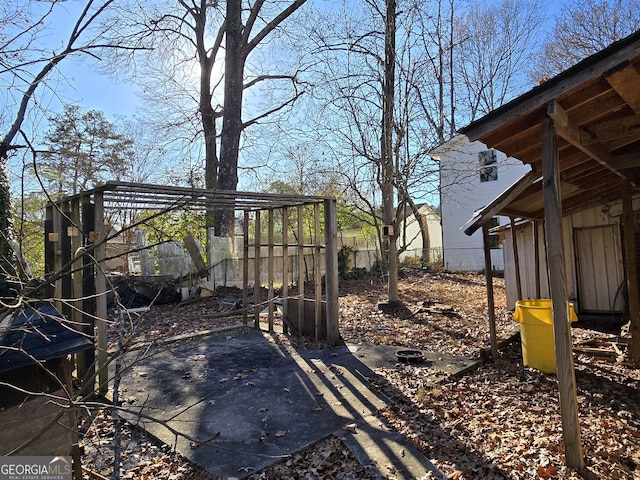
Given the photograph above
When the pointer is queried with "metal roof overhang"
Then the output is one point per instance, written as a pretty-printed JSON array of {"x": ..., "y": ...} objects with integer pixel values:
[{"x": 596, "y": 109}]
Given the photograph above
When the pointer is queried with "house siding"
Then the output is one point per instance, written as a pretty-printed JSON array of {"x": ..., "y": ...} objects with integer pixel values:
[{"x": 462, "y": 193}]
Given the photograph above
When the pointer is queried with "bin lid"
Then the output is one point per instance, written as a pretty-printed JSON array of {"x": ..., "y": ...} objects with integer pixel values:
[{"x": 539, "y": 304}]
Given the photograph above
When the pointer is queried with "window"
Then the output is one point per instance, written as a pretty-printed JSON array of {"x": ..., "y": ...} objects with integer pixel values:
[
  {"x": 488, "y": 166},
  {"x": 494, "y": 238}
]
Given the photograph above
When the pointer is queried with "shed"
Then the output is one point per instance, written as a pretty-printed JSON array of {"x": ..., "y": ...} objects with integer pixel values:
[
  {"x": 580, "y": 133},
  {"x": 33, "y": 360}
]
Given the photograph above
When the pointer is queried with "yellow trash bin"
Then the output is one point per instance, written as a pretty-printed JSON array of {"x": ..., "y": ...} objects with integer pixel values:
[{"x": 536, "y": 333}]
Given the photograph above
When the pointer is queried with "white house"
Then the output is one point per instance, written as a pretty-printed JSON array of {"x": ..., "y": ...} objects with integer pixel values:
[
  {"x": 411, "y": 241},
  {"x": 471, "y": 176}
]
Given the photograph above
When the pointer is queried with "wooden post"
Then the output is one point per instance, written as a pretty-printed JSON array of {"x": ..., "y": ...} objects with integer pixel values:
[
  {"x": 285, "y": 268},
  {"x": 316, "y": 269},
  {"x": 57, "y": 259},
  {"x": 331, "y": 270},
  {"x": 49, "y": 250},
  {"x": 536, "y": 255},
  {"x": 632, "y": 272},
  {"x": 76, "y": 245},
  {"x": 516, "y": 258},
  {"x": 559, "y": 297},
  {"x": 88, "y": 288},
  {"x": 300, "y": 268},
  {"x": 256, "y": 271},
  {"x": 245, "y": 268},
  {"x": 490, "y": 299},
  {"x": 270, "y": 268},
  {"x": 101, "y": 296},
  {"x": 65, "y": 253}
]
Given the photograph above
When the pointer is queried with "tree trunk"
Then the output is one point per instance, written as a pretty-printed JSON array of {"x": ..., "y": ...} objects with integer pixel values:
[
  {"x": 424, "y": 229},
  {"x": 388, "y": 93},
  {"x": 232, "y": 121},
  {"x": 7, "y": 259}
]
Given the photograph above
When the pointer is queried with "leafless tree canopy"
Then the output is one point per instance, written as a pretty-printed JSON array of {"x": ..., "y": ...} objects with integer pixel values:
[{"x": 583, "y": 28}]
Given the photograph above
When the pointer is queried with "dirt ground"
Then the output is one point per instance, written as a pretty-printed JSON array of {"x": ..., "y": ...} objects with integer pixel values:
[{"x": 499, "y": 421}]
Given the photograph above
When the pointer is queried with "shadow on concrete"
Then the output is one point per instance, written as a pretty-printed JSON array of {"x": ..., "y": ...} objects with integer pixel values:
[{"x": 242, "y": 401}]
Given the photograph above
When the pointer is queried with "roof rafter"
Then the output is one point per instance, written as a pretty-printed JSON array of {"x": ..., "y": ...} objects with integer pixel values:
[
  {"x": 625, "y": 80},
  {"x": 573, "y": 134}
]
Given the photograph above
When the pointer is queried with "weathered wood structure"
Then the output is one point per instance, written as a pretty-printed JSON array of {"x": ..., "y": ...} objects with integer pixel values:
[
  {"x": 36, "y": 383},
  {"x": 76, "y": 239},
  {"x": 580, "y": 132}
]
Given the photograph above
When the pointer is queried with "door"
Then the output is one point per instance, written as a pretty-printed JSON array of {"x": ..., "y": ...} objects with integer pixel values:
[{"x": 599, "y": 269}]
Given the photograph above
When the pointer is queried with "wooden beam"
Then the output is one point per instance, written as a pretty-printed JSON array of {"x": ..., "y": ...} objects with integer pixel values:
[
  {"x": 101, "y": 295},
  {"x": 76, "y": 245},
  {"x": 270, "y": 265},
  {"x": 245, "y": 268},
  {"x": 502, "y": 201},
  {"x": 285, "y": 268},
  {"x": 627, "y": 160},
  {"x": 559, "y": 297},
  {"x": 87, "y": 375},
  {"x": 629, "y": 225},
  {"x": 301, "y": 264},
  {"x": 491, "y": 311},
  {"x": 611, "y": 130},
  {"x": 49, "y": 250},
  {"x": 331, "y": 270},
  {"x": 572, "y": 134},
  {"x": 516, "y": 258},
  {"x": 57, "y": 255},
  {"x": 257, "y": 284},
  {"x": 625, "y": 80},
  {"x": 317, "y": 276},
  {"x": 536, "y": 253}
]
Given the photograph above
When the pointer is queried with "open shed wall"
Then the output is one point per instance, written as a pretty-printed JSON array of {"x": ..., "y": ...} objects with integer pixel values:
[{"x": 594, "y": 287}]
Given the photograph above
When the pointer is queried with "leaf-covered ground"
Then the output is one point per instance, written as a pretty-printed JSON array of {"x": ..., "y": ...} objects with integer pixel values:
[{"x": 499, "y": 421}]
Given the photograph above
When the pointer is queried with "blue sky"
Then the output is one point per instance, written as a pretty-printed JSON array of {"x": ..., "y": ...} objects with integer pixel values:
[
  {"x": 98, "y": 92},
  {"x": 86, "y": 86},
  {"x": 93, "y": 90}
]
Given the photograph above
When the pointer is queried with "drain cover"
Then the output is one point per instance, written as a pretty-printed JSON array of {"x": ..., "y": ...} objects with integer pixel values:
[{"x": 409, "y": 356}]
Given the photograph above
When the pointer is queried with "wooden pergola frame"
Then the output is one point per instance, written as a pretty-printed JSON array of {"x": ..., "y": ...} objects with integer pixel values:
[{"x": 75, "y": 242}]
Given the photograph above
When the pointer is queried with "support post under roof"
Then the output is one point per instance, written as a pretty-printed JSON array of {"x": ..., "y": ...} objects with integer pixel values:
[{"x": 559, "y": 296}]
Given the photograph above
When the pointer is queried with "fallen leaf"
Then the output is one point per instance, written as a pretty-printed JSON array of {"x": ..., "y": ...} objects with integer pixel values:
[
  {"x": 352, "y": 427},
  {"x": 546, "y": 472}
]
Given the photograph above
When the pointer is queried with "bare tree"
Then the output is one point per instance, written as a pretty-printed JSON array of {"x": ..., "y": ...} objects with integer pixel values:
[
  {"x": 583, "y": 28},
  {"x": 214, "y": 42},
  {"x": 381, "y": 129},
  {"x": 242, "y": 37},
  {"x": 495, "y": 46},
  {"x": 25, "y": 67}
]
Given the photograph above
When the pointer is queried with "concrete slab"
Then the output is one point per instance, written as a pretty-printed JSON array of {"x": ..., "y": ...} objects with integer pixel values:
[
  {"x": 238, "y": 401},
  {"x": 374, "y": 443},
  {"x": 378, "y": 356}
]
